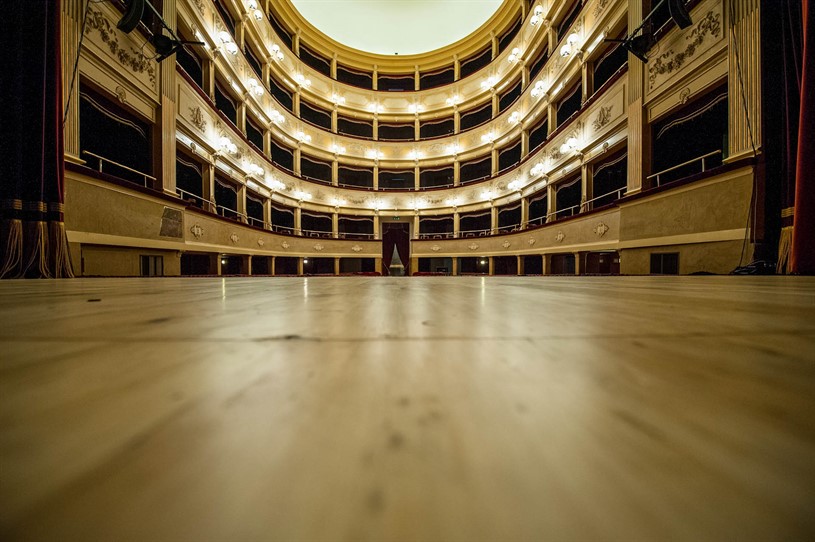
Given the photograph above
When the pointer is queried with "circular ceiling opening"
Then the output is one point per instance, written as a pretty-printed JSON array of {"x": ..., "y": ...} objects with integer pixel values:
[{"x": 397, "y": 27}]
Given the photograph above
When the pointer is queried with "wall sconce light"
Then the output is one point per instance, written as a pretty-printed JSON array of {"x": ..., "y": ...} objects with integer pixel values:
[
  {"x": 514, "y": 118},
  {"x": 453, "y": 149},
  {"x": 302, "y": 80},
  {"x": 489, "y": 137},
  {"x": 277, "y": 116},
  {"x": 375, "y": 108},
  {"x": 489, "y": 83},
  {"x": 225, "y": 145},
  {"x": 514, "y": 55},
  {"x": 569, "y": 145},
  {"x": 337, "y": 99},
  {"x": 454, "y": 100},
  {"x": 538, "y": 89},
  {"x": 276, "y": 52},
  {"x": 337, "y": 149},
  {"x": 302, "y": 137},
  {"x": 537, "y": 16}
]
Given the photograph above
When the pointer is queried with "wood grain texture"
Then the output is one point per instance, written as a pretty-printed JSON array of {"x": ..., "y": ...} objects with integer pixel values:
[{"x": 436, "y": 408}]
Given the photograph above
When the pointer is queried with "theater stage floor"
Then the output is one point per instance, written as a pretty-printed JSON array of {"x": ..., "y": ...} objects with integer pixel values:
[{"x": 530, "y": 408}]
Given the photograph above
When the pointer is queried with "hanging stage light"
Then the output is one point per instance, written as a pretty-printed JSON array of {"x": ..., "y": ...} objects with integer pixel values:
[
  {"x": 165, "y": 45},
  {"x": 130, "y": 20},
  {"x": 639, "y": 44},
  {"x": 679, "y": 13}
]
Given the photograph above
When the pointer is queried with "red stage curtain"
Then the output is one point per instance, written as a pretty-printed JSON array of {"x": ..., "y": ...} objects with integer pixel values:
[
  {"x": 803, "y": 229},
  {"x": 32, "y": 231}
]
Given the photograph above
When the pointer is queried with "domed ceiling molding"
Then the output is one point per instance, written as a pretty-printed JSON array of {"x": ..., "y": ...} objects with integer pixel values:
[{"x": 505, "y": 12}]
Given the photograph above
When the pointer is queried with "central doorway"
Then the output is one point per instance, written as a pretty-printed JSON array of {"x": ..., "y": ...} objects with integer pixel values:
[{"x": 395, "y": 249}]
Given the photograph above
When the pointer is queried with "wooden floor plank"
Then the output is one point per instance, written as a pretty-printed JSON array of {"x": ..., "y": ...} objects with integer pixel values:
[{"x": 408, "y": 409}]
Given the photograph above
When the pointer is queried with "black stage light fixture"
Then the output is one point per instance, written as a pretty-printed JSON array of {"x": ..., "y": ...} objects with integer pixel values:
[
  {"x": 130, "y": 20},
  {"x": 679, "y": 13},
  {"x": 639, "y": 46}
]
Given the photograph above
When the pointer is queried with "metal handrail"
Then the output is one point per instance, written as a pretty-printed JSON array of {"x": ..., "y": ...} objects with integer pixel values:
[
  {"x": 683, "y": 164},
  {"x": 618, "y": 191},
  {"x": 102, "y": 159}
]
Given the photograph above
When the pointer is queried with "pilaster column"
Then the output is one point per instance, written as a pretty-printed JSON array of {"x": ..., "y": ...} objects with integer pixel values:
[
  {"x": 334, "y": 66},
  {"x": 524, "y": 212},
  {"x": 208, "y": 186},
  {"x": 456, "y": 68},
  {"x": 744, "y": 52},
  {"x": 454, "y": 271},
  {"x": 416, "y": 177},
  {"x": 639, "y": 141},
  {"x": 375, "y": 78},
  {"x": 586, "y": 187},
  {"x": 491, "y": 266},
  {"x": 72, "y": 11},
  {"x": 551, "y": 202},
  {"x": 298, "y": 221},
  {"x": 240, "y": 32},
  {"x": 579, "y": 263},
  {"x": 520, "y": 265},
  {"x": 272, "y": 265},
  {"x": 208, "y": 76},
  {"x": 376, "y": 228},
  {"x": 241, "y": 117},
  {"x": 493, "y": 219},
  {"x": 456, "y": 224},
  {"x": 376, "y": 175},
  {"x": 416, "y": 227},
  {"x": 267, "y": 214},
  {"x": 524, "y": 143},
  {"x": 335, "y": 225},
  {"x": 456, "y": 173},
  {"x": 242, "y": 203},
  {"x": 335, "y": 172},
  {"x": 267, "y": 142},
  {"x": 586, "y": 76},
  {"x": 336, "y": 266},
  {"x": 166, "y": 145},
  {"x": 296, "y": 160},
  {"x": 416, "y": 77},
  {"x": 546, "y": 264}
]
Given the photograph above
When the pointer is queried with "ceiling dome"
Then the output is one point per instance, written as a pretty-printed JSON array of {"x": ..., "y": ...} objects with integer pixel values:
[{"x": 397, "y": 27}]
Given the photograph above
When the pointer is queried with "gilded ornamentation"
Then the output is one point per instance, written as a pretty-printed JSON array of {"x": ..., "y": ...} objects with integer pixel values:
[
  {"x": 318, "y": 247},
  {"x": 197, "y": 231},
  {"x": 603, "y": 117},
  {"x": 132, "y": 58},
  {"x": 473, "y": 246},
  {"x": 560, "y": 237},
  {"x": 684, "y": 96},
  {"x": 121, "y": 94},
  {"x": 600, "y": 6},
  {"x": 600, "y": 229},
  {"x": 261, "y": 242},
  {"x": 530, "y": 241},
  {"x": 197, "y": 118},
  {"x": 506, "y": 244},
  {"x": 356, "y": 248},
  {"x": 200, "y": 5},
  {"x": 234, "y": 237},
  {"x": 670, "y": 60},
  {"x": 435, "y": 248},
  {"x": 285, "y": 244}
]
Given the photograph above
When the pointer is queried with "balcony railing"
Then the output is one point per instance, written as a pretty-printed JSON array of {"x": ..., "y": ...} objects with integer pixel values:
[
  {"x": 102, "y": 160},
  {"x": 700, "y": 159}
]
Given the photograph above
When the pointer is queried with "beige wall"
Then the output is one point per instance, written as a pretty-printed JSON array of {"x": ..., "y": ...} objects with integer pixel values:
[
  {"x": 104, "y": 261},
  {"x": 719, "y": 258}
]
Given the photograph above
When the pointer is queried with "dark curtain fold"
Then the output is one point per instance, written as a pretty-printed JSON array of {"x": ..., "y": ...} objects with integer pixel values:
[
  {"x": 32, "y": 229},
  {"x": 388, "y": 243},
  {"x": 803, "y": 229},
  {"x": 395, "y": 237},
  {"x": 402, "y": 240}
]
